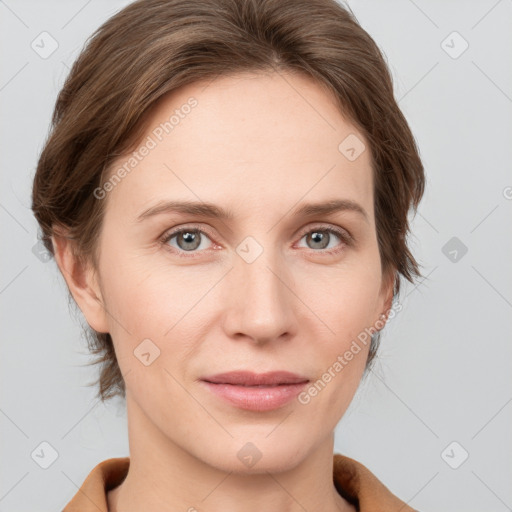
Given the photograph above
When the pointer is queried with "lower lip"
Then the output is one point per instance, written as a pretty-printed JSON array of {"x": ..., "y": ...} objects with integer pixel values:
[{"x": 254, "y": 398}]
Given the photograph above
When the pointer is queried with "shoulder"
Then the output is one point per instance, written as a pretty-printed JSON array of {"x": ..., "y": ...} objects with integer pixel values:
[
  {"x": 356, "y": 483},
  {"x": 92, "y": 495}
]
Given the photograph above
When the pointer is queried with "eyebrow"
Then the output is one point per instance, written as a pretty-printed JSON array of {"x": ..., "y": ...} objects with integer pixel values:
[{"x": 202, "y": 209}]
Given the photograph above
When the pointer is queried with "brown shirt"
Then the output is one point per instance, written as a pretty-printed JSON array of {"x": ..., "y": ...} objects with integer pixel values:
[{"x": 354, "y": 482}]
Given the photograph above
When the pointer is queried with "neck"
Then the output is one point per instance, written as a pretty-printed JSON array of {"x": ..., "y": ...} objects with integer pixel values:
[{"x": 165, "y": 477}]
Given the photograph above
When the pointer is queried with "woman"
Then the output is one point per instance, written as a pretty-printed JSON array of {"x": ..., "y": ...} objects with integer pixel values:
[{"x": 225, "y": 191}]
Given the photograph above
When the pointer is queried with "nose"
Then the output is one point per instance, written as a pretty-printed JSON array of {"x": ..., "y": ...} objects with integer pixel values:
[{"x": 259, "y": 298}]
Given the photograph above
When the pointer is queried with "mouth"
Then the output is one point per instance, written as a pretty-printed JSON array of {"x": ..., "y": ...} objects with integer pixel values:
[{"x": 255, "y": 392}]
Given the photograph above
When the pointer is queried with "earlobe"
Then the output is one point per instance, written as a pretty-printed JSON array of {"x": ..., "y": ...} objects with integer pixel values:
[{"x": 81, "y": 280}]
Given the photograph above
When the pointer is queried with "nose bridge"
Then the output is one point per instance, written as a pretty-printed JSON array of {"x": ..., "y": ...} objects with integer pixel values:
[{"x": 259, "y": 265}]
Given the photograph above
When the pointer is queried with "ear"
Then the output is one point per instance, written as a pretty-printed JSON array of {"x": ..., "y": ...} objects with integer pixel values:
[
  {"x": 81, "y": 280},
  {"x": 386, "y": 293}
]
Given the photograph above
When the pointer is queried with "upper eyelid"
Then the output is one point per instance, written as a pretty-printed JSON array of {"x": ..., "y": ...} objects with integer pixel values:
[{"x": 171, "y": 233}]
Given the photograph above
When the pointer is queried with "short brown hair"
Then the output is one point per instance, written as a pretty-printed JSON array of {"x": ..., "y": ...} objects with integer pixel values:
[{"x": 153, "y": 47}]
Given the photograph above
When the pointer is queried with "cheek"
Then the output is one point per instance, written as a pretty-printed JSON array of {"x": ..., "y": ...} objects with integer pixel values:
[
  {"x": 345, "y": 299},
  {"x": 346, "y": 304},
  {"x": 147, "y": 299},
  {"x": 151, "y": 298},
  {"x": 148, "y": 296}
]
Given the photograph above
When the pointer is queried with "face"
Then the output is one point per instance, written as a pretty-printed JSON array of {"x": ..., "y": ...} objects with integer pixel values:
[{"x": 271, "y": 287}]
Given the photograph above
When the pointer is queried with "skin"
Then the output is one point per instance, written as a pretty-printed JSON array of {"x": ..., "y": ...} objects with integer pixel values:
[{"x": 260, "y": 145}]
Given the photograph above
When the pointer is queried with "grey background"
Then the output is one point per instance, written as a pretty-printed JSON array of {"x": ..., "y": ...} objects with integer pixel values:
[{"x": 444, "y": 369}]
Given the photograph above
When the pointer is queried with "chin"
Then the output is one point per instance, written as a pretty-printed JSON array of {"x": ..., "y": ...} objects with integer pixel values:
[{"x": 256, "y": 455}]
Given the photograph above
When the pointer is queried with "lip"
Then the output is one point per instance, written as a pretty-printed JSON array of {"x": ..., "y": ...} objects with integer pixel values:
[
  {"x": 256, "y": 392},
  {"x": 246, "y": 378}
]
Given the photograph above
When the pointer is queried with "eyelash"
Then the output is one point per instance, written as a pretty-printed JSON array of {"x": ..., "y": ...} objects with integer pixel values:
[{"x": 343, "y": 235}]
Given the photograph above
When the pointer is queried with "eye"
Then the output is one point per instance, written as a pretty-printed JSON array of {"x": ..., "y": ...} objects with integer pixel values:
[
  {"x": 190, "y": 240},
  {"x": 187, "y": 240},
  {"x": 320, "y": 238}
]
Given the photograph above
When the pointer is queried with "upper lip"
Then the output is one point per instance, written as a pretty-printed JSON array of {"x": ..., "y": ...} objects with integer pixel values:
[{"x": 245, "y": 378}]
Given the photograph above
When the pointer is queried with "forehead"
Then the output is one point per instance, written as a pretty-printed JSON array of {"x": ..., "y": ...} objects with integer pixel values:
[{"x": 251, "y": 138}]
